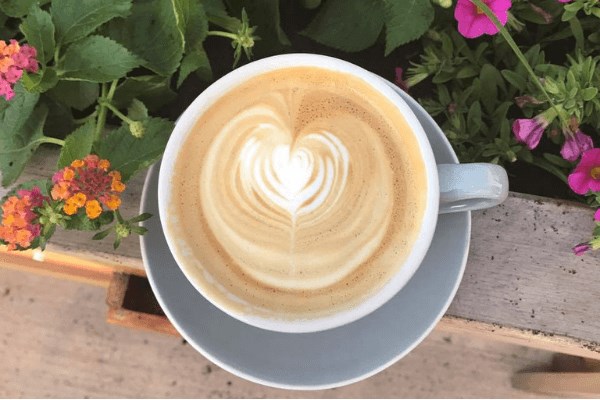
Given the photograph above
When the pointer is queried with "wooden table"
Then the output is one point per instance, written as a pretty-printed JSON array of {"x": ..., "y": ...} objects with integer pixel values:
[{"x": 522, "y": 284}]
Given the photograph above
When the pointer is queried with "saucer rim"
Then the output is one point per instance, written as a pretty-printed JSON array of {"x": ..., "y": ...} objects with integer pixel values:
[{"x": 154, "y": 169}]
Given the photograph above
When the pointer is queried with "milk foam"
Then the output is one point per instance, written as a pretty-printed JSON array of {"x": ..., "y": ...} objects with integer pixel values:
[{"x": 300, "y": 193}]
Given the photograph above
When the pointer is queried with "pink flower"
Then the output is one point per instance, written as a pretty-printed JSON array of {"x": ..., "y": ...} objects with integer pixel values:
[
  {"x": 575, "y": 145},
  {"x": 400, "y": 82},
  {"x": 15, "y": 58},
  {"x": 472, "y": 22},
  {"x": 586, "y": 176},
  {"x": 564, "y": 1},
  {"x": 597, "y": 215},
  {"x": 529, "y": 131},
  {"x": 581, "y": 248}
]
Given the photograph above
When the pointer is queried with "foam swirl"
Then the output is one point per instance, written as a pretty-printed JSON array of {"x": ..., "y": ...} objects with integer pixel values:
[
  {"x": 297, "y": 194},
  {"x": 273, "y": 187}
]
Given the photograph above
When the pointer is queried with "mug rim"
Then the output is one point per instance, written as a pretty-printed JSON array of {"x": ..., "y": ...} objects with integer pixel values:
[{"x": 237, "y": 77}]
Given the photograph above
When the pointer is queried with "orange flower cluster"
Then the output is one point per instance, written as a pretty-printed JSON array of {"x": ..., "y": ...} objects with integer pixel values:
[
  {"x": 88, "y": 183},
  {"x": 19, "y": 227}
]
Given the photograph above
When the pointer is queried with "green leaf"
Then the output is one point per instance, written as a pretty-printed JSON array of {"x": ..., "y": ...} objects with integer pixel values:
[
  {"x": 128, "y": 154},
  {"x": 266, "y": 16},
  {"x": 514, "y": 79},
  {"x": 468, "y": 71},
  {"x": 151, "y": 33},
  {"x": 195, "y": 60},
  {"x": 75, "y": 19},
  {"x": 39, "y": 33},
  {"x": 44, "y": 80},
  {"x": 214, "y": 7},
  {"x": 588, "y": 94},
  {"x": 137, "y": 111},
  {"x": 474, "y": 117},
  {"x": 16, "y": 8},
  {"x": 97, "y": 59},
  {"x": 152, "y": 90},
  {"x": 558, "y": 161},
  {"x": 22, "y": 141},
  {"x": 577, "y": 33},
  {"x": 139, "y": 230},
  {"x": 140, "y": 218},
  {"x": 81, "y": 222},
  {"x": 76, "y": 94},
  {"x": 405, "y": 21},
  {"x": 191, "y": 20},
  {"x": 77, "y": 145},
  {"x": 15, "y": 113},
  {"x": 349, "y": 25},
  {"x": 101, "y": 235}
]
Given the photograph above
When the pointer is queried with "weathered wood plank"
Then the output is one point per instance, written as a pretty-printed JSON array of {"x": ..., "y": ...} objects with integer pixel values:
[
  {"x": 521, "y": 274},
  {"x": 55, "y": 344}
]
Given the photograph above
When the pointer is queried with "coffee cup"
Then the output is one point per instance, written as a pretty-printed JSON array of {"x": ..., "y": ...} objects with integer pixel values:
[{"x": 299, "y": 193}]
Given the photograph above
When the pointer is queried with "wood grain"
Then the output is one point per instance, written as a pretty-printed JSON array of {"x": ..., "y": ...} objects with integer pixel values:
[
  {"x": 521, "y": 275},
  {"x": 55, "y": 343}
]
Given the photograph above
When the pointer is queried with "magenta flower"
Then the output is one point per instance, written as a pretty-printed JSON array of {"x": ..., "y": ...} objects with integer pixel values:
[
  {"x": 472, "y": 22},
  {"x": 581, "y": 248},
  {"x": 564, "y": 1},
  {"x": 597, "y": 215},
  {"x": 586, "y": 176},
  {"x": 575, "y": 145},
  {"x": 529, "y": 130}
]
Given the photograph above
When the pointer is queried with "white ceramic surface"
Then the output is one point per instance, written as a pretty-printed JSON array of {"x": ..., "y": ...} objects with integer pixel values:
[
  {"x": 233, "y": 79},
  {"x": 329, "y": 358}
]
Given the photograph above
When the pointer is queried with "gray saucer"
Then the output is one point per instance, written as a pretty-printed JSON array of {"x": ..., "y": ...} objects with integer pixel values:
[{"x": 325, "y": 359}]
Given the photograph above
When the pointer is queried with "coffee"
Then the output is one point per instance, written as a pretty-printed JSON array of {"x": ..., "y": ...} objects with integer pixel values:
[{"x": 297, "y": 194}]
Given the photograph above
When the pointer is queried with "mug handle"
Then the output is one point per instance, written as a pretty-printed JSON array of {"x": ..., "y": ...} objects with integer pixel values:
[{"x": 468, "y": 187}]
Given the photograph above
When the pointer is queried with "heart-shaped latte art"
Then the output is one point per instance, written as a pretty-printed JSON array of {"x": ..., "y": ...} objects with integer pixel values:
[
  {"x": 297, "y": 177},
  {"x": 298, "y": 206}
]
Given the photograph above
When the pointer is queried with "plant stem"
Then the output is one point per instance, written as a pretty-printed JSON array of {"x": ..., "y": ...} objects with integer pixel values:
[
  {"x": 106, "y": 96},
  {"x": 85, "y": 119},
  {"x": 490, "y": 14},
  {"x": 41, "y": 140},
  {"x": 228, "y": 35},
  {"x": 56, "y": 54},
  {"x": 118, "y": 113}
]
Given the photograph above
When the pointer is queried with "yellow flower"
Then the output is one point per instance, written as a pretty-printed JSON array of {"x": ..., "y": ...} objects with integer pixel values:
[
  {"x": 113, "y": 202},
  {"x": 78, "y": 199},
  {"x": 68, "y": 174},
  {"x": 104, "y": 165},
  {"x": 60, "y": 191},
  {"x": 69, "y": 208},
  {"x": 77, "y": 164},
  {"x": 93, "y": 209}
]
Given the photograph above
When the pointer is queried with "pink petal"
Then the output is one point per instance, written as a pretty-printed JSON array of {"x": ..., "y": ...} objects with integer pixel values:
[
  {"x": 575, "y": 145},
  {"x": 528, "y": 131},
  {"x": 564, "y": 1},
  {"x": 590, "y": 158},
  {"x": 6, "y": 90},
  {"x": 500, "y": 8},
  {"x": 594, "y": 185},
  {"x": 581, "y": 248},
  {"x": 13, "y": 74},
  {"x": 597, "y": 215},
  {"x": 579, "y": 181}
]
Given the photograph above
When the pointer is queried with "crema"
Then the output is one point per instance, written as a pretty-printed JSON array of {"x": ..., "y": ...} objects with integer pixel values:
[{"x": 298, "y": 194}]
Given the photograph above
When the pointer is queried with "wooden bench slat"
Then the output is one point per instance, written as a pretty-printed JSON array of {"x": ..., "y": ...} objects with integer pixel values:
[{"x": 521, "y": 275}]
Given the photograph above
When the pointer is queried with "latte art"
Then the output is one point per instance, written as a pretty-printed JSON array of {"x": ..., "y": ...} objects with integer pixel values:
[
  {"x": 299, "y": 194},
  {"x": 271, "y": 185}
]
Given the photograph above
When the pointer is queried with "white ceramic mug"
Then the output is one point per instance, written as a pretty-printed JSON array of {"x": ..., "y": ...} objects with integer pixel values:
[{"x": 450, "y": 187}]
